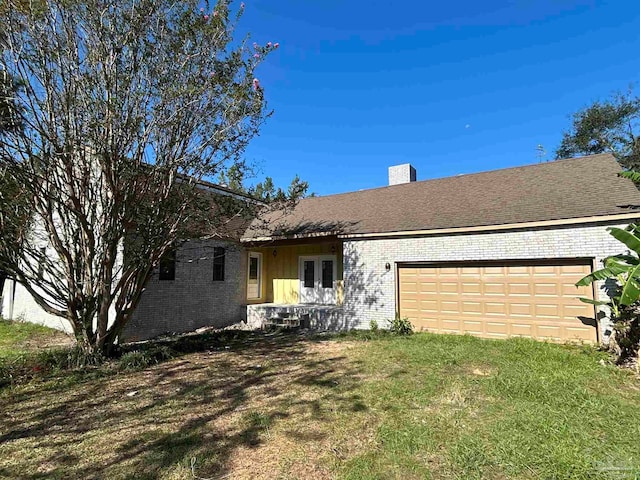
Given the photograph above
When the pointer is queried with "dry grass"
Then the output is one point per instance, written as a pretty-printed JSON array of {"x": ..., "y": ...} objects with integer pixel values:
[
  {"x": 258, "y": 412},
  {"x": 284, "y": 406}
]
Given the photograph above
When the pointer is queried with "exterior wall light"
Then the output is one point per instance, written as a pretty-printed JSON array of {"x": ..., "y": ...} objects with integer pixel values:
[
  {"x": 275, "y": 253},
  {"x": 387, "y": 267}
]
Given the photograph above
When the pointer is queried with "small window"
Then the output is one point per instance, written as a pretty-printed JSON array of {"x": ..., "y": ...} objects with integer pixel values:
[
  {"x": 168, "y": 265},
  {"x": 327, "y": 273},
  {"x": 254, "y": 274},
  {"x": 218, "y": 264}
]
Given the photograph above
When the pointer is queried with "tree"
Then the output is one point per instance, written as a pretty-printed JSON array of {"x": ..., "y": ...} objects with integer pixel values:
[
  {"x": 609, "y": 126},
  {"x": 265, "y": 191},
  {"x": 125, "y": 107},
  {"x": 9, "y": 114}
]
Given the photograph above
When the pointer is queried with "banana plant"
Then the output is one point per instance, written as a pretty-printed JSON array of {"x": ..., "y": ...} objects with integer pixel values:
[{"x": 624, "y": 269}]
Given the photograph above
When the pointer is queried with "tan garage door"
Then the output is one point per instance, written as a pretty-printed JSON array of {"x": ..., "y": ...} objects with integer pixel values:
[{"x": 497, "y": 300}]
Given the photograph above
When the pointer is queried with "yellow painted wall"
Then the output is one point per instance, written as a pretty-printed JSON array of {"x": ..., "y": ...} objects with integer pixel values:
[{"x": 280, "y": 279}]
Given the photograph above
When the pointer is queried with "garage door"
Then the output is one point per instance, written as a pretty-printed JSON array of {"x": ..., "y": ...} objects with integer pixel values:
[{"x": 498, "y": 300}]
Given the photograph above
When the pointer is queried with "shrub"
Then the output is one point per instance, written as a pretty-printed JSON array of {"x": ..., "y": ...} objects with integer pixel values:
[
  {"x": 59, "y": 359},
  {"x": 401, "y": 326},
  {"x": 140, "y": 359},
  {"x": 373, "y": 326}
]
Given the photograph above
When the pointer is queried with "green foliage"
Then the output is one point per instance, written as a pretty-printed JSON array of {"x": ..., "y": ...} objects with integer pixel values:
[
  {"x": 141, "y": 359},
  {"x": 127, "y": 107},
  {"x": 14, "y": 334},
  {"x": 28, "y": 365},
  {"x": 269, "y": 193},
  {"x": 624, "y": 271},
  {"x": 236, "y": 177},
  {"x": 606, "y": 126},
  {"x": 632, "y": 175},
  {"x": 9, "y": 109},
  {"x": 373, "y": 326},
  {"x": 401, "y": 326},
  {"x": 492, "y": 409}
]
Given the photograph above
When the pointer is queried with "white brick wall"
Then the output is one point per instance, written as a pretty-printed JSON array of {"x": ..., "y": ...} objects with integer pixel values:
[{"x": 370, "y": 289}]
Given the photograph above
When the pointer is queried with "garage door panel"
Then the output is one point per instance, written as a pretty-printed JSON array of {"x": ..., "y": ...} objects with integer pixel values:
[
  {"x": 428, "y": 287},
  {"x": 495, "y": 308},
  {"x": 496, "y": 301},
  {"x": 521, "y": 310},
  {"x": 547, "y": 311},
  {"x": 519, "y": 289},
  {"x": 472, "y": 308},
  {"x": 468, "y": 288},
  {"x": 491, "y": 288},
  {"x": 474, "y": 328},
  {"x": 547, "y": 289},
  {"x": 522, "y": 329}
]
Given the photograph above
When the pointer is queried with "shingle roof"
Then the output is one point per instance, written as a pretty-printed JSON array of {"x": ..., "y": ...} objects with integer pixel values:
[{"x": 563, "y": 189}]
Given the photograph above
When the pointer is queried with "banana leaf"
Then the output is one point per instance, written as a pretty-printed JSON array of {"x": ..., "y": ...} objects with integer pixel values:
[
  {"x": 631, "y": 288},
  {"x": 602, "y": 274},
  {"x": 591, "y": 301},
  {"x": 626, "y": 237}
]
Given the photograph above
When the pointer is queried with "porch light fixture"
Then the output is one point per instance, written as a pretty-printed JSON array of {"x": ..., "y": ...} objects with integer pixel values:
[
  {"x": 333, "y": 249},
  {"x": 275, "y": 252},
  {"x": 387, "y": 267}
]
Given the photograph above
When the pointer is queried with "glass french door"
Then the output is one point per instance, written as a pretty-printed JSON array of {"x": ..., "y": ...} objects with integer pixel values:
[{"x": 318, "y": 279}]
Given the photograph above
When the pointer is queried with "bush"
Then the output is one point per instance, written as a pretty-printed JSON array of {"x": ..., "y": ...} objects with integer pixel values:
[
  {"x": 373, "y": 326},
  {"x": 29, "y": 365},
  {"x": 60, "y": 359},
  {"x": 401, "y": 326},
  {"x": 140, "y": 359}
]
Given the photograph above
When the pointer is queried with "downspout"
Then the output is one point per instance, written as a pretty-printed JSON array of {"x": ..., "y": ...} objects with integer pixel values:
[{"x": 12, "y": 296}]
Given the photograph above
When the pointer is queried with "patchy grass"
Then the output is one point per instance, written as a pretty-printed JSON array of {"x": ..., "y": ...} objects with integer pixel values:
[
  {"x": 17, "y": 338},
  {"x": 282, "y": 406}
]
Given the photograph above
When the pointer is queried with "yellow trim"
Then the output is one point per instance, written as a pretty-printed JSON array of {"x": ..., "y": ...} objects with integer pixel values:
[{"x": 489, "y": 228}]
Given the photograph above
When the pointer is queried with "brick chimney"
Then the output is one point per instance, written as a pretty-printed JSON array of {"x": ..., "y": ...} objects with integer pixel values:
[{"x": 404, "y": 173}]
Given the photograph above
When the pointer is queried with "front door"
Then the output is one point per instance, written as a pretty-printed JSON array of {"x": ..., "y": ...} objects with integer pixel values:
[{"x": 318, "y": 279}]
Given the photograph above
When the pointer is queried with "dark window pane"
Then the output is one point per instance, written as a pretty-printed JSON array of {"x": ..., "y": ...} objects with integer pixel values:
[
  {"x": 327, "y": 274},
  {"x": 253, "y": 268},
  {"x": 309, "y": 273},
  {"x": 218, "y": 264},
  {"x": 167, "y": 266}
]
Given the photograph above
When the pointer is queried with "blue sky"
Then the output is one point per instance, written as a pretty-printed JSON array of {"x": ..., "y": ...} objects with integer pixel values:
[{"x": 452, "y": 87}]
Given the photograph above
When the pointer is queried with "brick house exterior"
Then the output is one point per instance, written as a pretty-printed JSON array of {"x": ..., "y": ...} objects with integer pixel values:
[
  {"x": 335, "y": 261},
  {"x": 193, "y": 299},
  {"x": 377, "y": 300}
]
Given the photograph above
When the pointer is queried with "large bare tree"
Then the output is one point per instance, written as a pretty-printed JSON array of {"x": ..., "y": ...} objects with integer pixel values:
[{"x": 123, "y": 108}]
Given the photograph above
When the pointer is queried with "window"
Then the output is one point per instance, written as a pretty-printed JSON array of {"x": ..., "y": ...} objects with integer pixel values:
[
  {"x": 318, "y": 276},
  {"x": 168, "y": 265},
  {"x": 309, "y": 273},
  {"x": 327, "y": 273},
  {"x": 218, "y": 264},
  {"x": 254, "y": 275}
]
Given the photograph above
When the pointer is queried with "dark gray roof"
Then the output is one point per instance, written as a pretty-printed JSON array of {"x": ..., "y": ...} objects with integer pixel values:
[{"x": 563, "y": 189}]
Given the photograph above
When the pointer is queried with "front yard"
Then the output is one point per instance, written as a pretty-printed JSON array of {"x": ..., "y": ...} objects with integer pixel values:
[
  {"x": 283, "y": 406},
  {"x": 20, "y": 337}
]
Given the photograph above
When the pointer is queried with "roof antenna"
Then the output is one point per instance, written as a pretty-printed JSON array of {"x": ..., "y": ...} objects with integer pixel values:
[{"x": 541, "y": 154}]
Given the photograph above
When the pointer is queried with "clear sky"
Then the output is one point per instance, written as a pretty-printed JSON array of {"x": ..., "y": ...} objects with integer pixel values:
[{"x": 452, "y": 86}]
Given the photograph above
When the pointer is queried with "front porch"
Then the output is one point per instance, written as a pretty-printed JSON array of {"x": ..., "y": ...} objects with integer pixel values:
[
  {"x": 295, "y": 283},
  {"x": 317, "y": 317}
]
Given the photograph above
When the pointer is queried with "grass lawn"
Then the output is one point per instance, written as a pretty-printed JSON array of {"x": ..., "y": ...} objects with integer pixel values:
[
  {"x": 20, "y": 337},
  {"x": 281, "y": 406}
]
